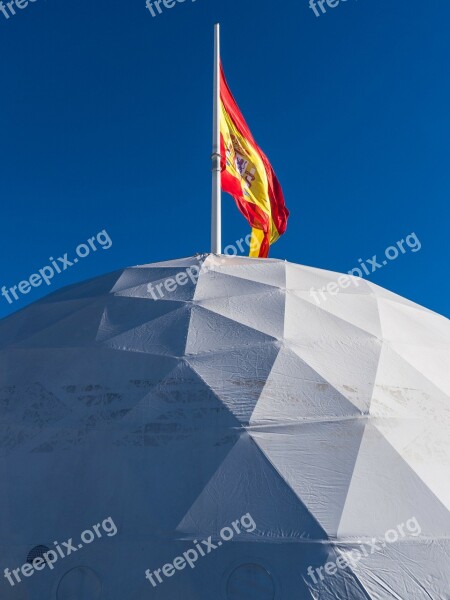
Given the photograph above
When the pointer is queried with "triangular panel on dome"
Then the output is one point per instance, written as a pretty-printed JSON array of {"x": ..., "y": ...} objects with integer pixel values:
[
  {"x": 250, "y": 482},
  {"x": 344, "y": 355},
  {"x": 414, "y": 416},
  {"x": 123, "y": 314},
  {"x": 179, "y": 406},
  {"x": 403, "y": 391},
  {"x": 40, "y": 316},
  {"x": 27, "y": 410},
  {"x": 238, "y": 376},
  {"x": 381, "y": 292},
  {"x": 295, "y": 392},
  {"x": 433, "y": 362},
  {"x": 165, "y": 289},
  {"x": 61, "y": 328},
  {"x": 316, "y": 460},
  {"x": 85, "y": 379},
  {"x": 220, "y": 286},
  {"x": 268, "y": 272},
  {"x": 98, "y": 286},
  {"x": 412, "y": 568},
  {"x": 343, "y": 584},
  {"x": 166, "y": 334},
  {"x": 168, "y": 284},
  {"x": 301, "y": 278},
  {"x": 212, "y": 332},
  {"x": 143, "y": 275},
  {"x": 360, "y": 310},
  {"x": 268, "y": 319},
  {"x": 385, "y": 492},
  {"x": 408, "y": 324}
]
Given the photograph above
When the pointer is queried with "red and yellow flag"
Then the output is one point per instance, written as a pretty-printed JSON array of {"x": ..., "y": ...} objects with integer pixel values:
[{"x": 248, "y": 176}]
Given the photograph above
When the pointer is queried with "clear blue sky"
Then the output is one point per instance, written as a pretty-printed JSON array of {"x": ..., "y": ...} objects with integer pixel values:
[{"x": 105, "y": 121}]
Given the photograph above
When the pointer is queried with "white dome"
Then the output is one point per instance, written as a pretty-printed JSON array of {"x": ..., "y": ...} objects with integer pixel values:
[{"x": 215, "y": 392}]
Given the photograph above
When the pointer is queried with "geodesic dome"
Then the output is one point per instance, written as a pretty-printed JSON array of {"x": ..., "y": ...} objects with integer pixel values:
[{"x": 177, "y": 409}]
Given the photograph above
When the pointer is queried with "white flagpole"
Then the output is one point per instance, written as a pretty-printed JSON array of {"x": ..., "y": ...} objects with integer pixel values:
[{"x": 216, "y": 213}]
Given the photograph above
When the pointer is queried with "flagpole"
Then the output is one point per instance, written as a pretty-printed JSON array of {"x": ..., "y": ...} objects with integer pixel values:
[{"x": 216, "y": 213}]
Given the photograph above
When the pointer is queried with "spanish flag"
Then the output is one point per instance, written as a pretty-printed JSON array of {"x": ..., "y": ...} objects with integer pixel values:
[{"x": 248, "y": 176}]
